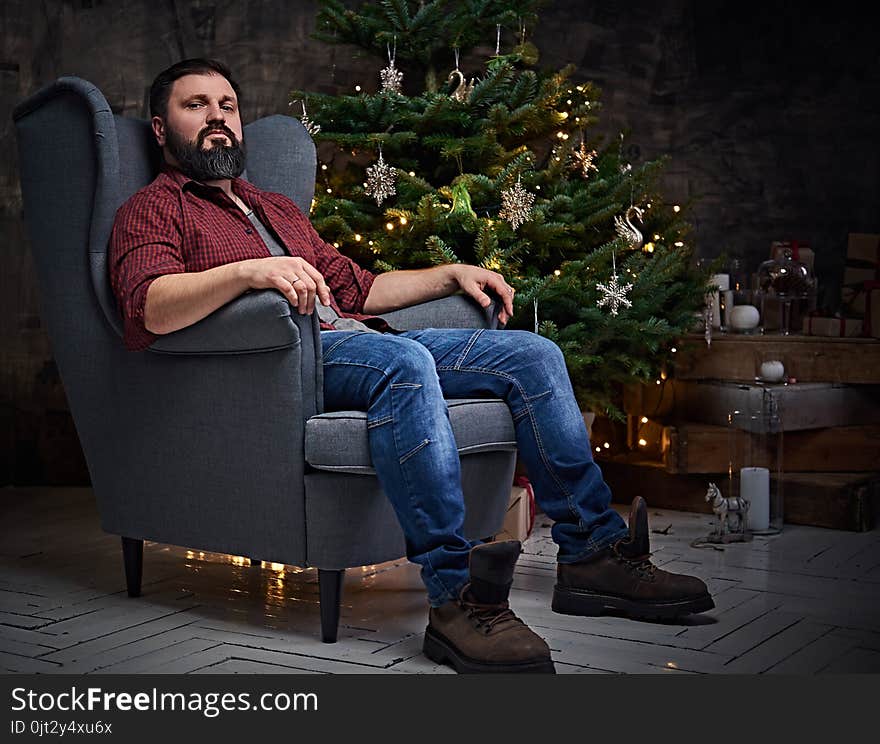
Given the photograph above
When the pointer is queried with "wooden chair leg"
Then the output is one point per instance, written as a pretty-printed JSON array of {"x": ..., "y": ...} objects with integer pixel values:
[
  {"x": 330, "y": 589},
  {"x": 133, "y": 557}
]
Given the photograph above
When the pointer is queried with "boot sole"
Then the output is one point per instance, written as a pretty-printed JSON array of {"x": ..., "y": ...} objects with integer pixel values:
[
  {"x": 567, "y": 601},
  {"x": 441, "y": 651}
]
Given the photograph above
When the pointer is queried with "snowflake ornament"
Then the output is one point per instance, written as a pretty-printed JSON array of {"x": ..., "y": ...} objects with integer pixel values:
[
  {"x": 391, "y": 77},
  {"x": 516, "y": 204},
  {"x": 583, "y": 160},
  {"x": 380, "y": 180},
  {"x": 614, "y": 294}
]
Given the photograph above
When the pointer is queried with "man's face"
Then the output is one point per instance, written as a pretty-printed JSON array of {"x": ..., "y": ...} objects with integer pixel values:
[{"x": 202, "y": 133}]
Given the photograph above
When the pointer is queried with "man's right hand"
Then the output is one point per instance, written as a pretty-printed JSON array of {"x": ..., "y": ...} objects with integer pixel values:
[{"x": 294, "y": 277}]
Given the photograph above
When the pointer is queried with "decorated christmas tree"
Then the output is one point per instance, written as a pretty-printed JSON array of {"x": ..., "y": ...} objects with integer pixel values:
[{"x": 428, "y": 164}]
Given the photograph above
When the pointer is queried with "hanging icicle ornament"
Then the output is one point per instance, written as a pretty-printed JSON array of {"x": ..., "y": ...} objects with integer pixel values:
[
  {"x": 583, "y": 159},
  {"x": 380, "y": 180},
  {"x": 463, "y": 90},
  {"x": 626, "y": 229},
  {"x": 391, "y": 77},
  {"x": 614, "y": 295},
  {"x": 516, "y": 204},
  {"x": 536, "y": 314},
  {"x": 311, "y": 127}
]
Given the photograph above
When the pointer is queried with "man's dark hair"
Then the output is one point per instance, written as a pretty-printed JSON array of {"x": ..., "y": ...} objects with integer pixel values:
[{"x": 160, "y": 90}]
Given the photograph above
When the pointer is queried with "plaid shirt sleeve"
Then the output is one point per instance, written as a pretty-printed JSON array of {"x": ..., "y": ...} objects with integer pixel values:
[
  {"x": 145, "y": 243},
  {"x": 349, "y": 283}
]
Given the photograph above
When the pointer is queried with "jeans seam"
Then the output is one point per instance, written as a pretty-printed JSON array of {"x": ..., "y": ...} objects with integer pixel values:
[
  {"x": 468, "y": 346},
  {"x": 542, "y": 452},
  {"x": 342, "y": 341},
  {"x": 415, "y": 450}
]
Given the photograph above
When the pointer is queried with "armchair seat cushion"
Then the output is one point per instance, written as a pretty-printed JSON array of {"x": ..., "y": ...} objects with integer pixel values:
[{"x": 337, "y": 441}]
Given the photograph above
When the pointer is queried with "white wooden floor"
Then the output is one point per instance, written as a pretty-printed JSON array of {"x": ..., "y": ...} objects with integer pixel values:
[{"x": 806, "y": 601}]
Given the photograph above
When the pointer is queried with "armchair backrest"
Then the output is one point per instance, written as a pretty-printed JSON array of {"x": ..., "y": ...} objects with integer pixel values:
[{"x": 80, "y": 162}]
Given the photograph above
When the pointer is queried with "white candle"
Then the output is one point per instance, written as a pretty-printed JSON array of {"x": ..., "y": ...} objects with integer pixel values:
[{"x": 755, "y": 488}]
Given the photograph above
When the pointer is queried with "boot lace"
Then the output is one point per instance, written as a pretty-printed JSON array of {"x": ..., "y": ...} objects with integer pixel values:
[
  {"x": 640, "y": 565},
  {"x": 486, "y": 616}
]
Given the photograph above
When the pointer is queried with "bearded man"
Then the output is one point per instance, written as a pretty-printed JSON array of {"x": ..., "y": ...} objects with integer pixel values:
[{"x": 199, "y": 236}]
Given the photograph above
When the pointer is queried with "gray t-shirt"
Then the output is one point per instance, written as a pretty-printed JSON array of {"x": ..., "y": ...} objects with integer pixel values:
[{"x": 325, "y": 313}]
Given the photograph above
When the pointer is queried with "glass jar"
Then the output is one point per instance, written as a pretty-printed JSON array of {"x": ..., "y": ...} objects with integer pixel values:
[
  {"x": 785, "y": 284},
  {"x": 755, "y": 464}
]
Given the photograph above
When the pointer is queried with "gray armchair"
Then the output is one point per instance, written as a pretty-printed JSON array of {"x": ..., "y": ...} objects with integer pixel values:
[{"x": 215, "y": 437}]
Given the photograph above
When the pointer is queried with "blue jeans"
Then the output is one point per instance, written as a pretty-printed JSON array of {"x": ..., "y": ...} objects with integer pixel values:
[{"x": 401, "y": 382}]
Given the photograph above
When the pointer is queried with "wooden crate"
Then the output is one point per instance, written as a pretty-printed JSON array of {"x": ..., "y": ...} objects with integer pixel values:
[
  {"x": 844, "y": 501},
  {"x": 801, "y": 406},
  {"x": 807, "y": 358},
  {"x": 703, "y": 448}
]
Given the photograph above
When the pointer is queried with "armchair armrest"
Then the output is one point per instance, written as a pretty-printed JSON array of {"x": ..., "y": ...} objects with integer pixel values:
[
  {"x": 251, "y": 323},
  {"x": 455, "y": 311}
]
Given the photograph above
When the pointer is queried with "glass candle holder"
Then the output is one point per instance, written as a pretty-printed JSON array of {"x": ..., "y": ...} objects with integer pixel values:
[{"x": 755, "y": 464}]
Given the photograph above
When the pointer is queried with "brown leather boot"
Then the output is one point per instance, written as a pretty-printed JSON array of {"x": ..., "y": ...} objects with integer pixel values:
[
  {"x": 478, "y": 632},
  {"x": 622, "y": 579}
]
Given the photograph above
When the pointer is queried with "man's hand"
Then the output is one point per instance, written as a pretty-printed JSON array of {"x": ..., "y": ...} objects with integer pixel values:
[
  {"x": 294, "y": 277},
  {"x": 474, "y": 280}
]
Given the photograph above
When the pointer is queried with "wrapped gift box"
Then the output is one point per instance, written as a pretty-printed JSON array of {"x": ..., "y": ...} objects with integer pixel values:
[
  {"x": 840, "y": 327},
  {"x": 517, "y": 521},
  {"x": 862, "y": 265},
  {"x": 872, "y": 309},
  {"x": 800, "y": 251}
]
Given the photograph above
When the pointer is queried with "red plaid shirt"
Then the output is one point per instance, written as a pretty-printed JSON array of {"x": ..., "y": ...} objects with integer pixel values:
[{"x": 176, "y": 225}]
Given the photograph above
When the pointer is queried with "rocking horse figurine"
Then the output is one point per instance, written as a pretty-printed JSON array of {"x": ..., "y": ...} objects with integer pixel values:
[{"x": 732, "y": 513}]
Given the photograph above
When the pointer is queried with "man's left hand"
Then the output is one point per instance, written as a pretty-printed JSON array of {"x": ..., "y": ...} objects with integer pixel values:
[{"x": 475, "y": 280}]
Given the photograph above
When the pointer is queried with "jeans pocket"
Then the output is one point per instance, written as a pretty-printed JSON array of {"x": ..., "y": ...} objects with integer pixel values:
[{"x": 415, "y": 450}]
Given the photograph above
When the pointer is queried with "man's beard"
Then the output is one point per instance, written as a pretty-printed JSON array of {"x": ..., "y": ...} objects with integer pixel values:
[{"x": 219, "y": 161}]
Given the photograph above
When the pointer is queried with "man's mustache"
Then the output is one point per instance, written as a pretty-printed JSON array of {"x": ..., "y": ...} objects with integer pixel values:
[{"x": 217, "y": 128}]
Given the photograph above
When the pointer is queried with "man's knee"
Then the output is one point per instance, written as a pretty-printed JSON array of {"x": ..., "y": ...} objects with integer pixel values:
[
  {"x": 411, "y": 361},
  {"x": 535, "y": 347}
]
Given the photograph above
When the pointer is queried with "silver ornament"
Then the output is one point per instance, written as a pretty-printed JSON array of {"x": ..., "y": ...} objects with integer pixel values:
[
  {"x": 614, "y": 294},
  {"x": 463, "y": 89},
  {"x": 311, "y": 127},
  {"x": 626, "y": 229},
  {"x": 516, "y": 204},
  {"x": 380, "y": 180},
  {"x": 390, "y": 76}
]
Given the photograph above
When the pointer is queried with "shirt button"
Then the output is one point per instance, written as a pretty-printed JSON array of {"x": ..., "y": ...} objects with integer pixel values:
[{"x": 248, "y": 231}]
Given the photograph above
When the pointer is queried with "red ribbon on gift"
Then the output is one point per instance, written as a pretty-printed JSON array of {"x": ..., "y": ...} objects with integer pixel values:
[{"x": 866, "y": 322}]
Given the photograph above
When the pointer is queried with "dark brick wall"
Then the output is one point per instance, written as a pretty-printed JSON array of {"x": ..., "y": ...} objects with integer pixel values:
[{"x": 769, "y": 112}]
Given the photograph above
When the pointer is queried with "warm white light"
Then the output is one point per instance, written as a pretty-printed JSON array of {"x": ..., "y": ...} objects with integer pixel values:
[
  {"x": 329, "y": 191},
  {"x": 656, "y": 237},
  {"x": 412, "y": 173},
  {"x": 649, "y": 247},
  {"x": 642, "y": 442},
  {"x": 336, "y": 245},
  {"x": 403, "y": 220},
  {"x": 676, "y": 208},
  {"x": 357, "y": 237},
  {"x": 323, "y": 166},
  {"x": 606, "y": 445},
  {"x": 369, "y": 242},
  {"x": 389, "y": 225},
  {"x": 644, "y": 419},
  {"x": 537, "y": 188},
  {"x": 679, "y": 244},
  {"x": 557, "y": 272},
  {"x": 357, "y": 88},
  {"x": 564, "y": 114},
  {"x": 658, "y": 382},
  {"x": 569, "y": 101},
  {"x": 598, "y": 449},
  {"x": 674, "y": 350}
]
